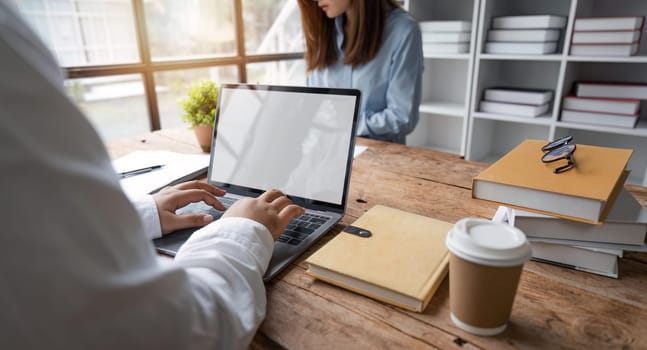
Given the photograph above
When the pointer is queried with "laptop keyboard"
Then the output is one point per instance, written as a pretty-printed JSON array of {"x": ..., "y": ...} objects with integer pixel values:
[{"x": 297, "y": 231}]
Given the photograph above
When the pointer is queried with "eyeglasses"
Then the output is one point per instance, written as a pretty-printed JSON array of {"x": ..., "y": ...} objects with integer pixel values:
[{"x": 558, "y": 150}]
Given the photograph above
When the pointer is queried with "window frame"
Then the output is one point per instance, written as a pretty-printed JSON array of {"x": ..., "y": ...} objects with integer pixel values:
[{"x": 147, "y": 67}]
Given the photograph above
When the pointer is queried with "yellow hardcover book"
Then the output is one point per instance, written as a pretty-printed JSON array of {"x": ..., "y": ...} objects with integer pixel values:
[
  {"x": 402, "y": 263},
  {"x": 585, "y": 193}
]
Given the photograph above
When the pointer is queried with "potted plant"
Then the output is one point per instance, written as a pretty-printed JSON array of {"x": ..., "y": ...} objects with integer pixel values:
[{"x": 200, "y": 111}]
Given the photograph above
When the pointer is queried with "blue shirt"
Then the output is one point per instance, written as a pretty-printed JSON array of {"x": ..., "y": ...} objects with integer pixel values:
[{"x": 390, "y": 83}]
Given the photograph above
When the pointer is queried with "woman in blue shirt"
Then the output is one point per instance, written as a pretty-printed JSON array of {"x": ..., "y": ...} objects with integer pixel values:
[{"x": 373, "y": 46}]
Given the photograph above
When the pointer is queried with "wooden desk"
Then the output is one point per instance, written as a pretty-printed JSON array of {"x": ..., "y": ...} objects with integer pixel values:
[{"x": 555, "y": 307}]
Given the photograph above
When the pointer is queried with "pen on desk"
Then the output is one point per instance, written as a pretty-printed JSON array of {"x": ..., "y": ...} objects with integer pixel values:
[{"x": 134, "y": 172}]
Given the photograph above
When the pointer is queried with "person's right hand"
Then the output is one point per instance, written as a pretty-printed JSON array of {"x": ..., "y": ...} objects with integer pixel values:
[{"x": 272, "y": 209}]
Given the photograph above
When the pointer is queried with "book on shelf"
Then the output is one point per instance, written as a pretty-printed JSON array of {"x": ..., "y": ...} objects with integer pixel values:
[
  {"x": 602, "y": 262},
  {"x": 608, "y": 23},
  {"x": 611, "y": 90},
  {"x": 615, "y": 37},
  {"x": 523, "y": 35},
  {"x": 402, "y": 263},
  {"x": 609, "y": 105},
  {"x": 174, "y": 168},
  {"x": 431, "y": 48},
  {"x": 446, "y": 37},
  {"x": 518, "y": 95},
  {"x": 600, "y": 118},
  {"x": 521, "y": 48},
  {"x": 515, "y": 109},
  {"x": 445, "y": 26},
  {"x": 620, "y": 50},
  {"x": 585, "y": 193},
  {"x": 625, "y": 225},
  {"x": 529, "y": 22}
]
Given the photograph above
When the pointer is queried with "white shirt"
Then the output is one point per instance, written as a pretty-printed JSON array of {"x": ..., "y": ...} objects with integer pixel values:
[{"x": 78, "y": 271}]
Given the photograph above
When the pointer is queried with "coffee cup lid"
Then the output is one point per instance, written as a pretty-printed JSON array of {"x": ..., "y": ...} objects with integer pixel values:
[{"x": 488, "y": 243}]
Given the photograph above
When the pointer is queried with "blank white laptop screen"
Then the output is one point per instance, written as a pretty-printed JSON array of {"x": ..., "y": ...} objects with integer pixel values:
[{"x": 296, "y": 142}]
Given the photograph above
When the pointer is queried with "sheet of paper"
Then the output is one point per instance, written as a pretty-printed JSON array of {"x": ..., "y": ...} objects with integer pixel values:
[
  {"x": 177, "y": 167},
  {"x": 359, "y": 150}
]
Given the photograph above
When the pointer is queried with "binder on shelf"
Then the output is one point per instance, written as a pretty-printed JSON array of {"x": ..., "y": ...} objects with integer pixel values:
[
  {"x": 517, "y": 95},
  {"x": 523, "y": 35},
  {"x": 529, "y": 22},
  {"x": 538, "y": 48},
  {"x": 445, "y": 26},
  {"x": 616, "y": 50},
  {"x": 446, "y": 37},
  {"x": 608, "y": 23},
  {"x": 432, "y": 48},
  {"x": 600, "y": 118},
  {"x": 514, "y": 109},
  {"x": 609, "y": 105},
  {"x": 616, "y": 37},
  {"x": 611, "y": 90}
]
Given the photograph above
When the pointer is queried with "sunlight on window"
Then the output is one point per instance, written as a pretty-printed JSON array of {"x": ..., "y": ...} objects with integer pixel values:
[
  {"x": 272, "y": 26},
  {"x": 190, "y": 29},
  {"x": 115, "y": 105},
  {"x": 82, "y": 33}
]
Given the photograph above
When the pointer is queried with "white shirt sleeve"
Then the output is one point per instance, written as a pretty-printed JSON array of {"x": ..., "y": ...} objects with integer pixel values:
[
  {"x": 77, "y": 270},
  {"x": 147, "y": 209}
]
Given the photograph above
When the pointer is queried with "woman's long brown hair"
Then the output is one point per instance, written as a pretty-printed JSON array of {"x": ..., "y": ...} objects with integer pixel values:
[{"x": 363, "y": 37}]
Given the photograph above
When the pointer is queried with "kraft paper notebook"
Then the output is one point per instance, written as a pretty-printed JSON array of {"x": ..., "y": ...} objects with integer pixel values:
[
  {"x": 402, "y": 263},
  {"x": 585, "y": 193}
]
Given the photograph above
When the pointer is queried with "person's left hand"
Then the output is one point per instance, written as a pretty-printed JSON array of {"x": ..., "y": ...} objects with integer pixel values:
[{"x": 171, "y": 198}]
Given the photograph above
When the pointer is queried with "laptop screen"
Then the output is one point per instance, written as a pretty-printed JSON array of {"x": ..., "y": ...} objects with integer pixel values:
[{"x": 295, "y": 139}]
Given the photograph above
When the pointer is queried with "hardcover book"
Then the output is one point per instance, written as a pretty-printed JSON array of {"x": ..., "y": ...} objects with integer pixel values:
[
  {"x": 517, "y": 95},
  {"x": 598, "y": 261},
  {"x": 625, "y": 226},
  {"x": 600, "y": 118},
  {"x": 402, "y": 263},
  {"x": 608, "y": 23},
  {"x": 529, "y": 22},
  {"x": 584, "y": 193}
]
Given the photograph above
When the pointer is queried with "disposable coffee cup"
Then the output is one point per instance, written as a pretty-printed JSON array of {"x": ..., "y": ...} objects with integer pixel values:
[{"x": 484, "y": 269}]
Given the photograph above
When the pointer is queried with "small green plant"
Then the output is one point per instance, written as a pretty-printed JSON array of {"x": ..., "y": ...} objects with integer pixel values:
[{"x": 200, "y": 104}]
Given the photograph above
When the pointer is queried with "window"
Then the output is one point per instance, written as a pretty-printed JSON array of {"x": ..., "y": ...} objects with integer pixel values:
[{"x": 129, "y": 62}]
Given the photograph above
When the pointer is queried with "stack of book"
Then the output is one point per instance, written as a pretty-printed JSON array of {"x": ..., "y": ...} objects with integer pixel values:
[
  {"x": 591, "y": 248},
  {"x": 581, "y": 218},
  {"x": 516, "y": 102},
  {"x": 525, "y": 35},
  {"x": 446, "y": 37},
  {"x": 607, "y": 36},
  {"x": 609, "y": 104}
]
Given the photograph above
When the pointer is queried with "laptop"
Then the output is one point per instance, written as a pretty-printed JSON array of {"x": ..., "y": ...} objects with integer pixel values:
[{"x": 299, "y": 140}]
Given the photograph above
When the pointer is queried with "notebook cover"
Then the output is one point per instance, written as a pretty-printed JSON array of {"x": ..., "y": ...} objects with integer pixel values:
[
  {"x": 598, "y": 173},
  {"x": 406, "y": 254}
]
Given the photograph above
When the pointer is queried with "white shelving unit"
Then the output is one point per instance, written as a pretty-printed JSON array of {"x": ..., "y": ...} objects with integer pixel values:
[
  {"x": 446, "y": 80},
  {"x": 453, "y": 85}
]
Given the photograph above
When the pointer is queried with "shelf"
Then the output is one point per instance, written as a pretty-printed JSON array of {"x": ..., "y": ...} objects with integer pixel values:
[
  {"x": 540, "y": 120},
  {"x": 551, "y": 57},
  {"x": 445, "y": 108},
  {"x": 639, "y": 130},
  {"x": 448, "y": 56},
  {"x": 608, "y": 59}
]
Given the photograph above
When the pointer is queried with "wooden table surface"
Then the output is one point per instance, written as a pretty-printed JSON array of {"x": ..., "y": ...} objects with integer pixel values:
[{"x": 555, "y": 307}]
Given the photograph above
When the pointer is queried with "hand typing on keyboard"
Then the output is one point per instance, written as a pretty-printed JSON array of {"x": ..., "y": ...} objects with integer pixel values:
[
  {"x": 171, "y": 198},
  {"x": 272, "y": 209}
]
